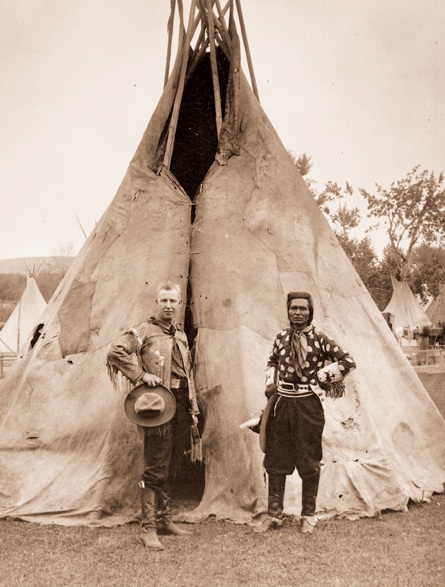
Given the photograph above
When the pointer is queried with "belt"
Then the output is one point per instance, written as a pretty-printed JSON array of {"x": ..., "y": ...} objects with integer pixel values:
[
  {"x": 287, "y": 389},
  {"x": 180, "y": 383}
]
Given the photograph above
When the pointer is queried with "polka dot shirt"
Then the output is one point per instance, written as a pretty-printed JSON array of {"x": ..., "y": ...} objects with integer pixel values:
[{"x": 321, "y": 351}]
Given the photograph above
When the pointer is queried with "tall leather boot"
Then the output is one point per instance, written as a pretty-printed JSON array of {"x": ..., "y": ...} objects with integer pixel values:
[
  {"x": 308, "y": 502},
  {"x": 149, "y": 535},
  {"x": 164, "y": 518},
  {"x": 276, "y": 488}
]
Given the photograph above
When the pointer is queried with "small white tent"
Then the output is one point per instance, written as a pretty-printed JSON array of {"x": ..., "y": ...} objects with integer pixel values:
[
  {"x": 24, "y": 318},
  {"x": 406, "y": 310},
  {"x": 436, "y": 309}
]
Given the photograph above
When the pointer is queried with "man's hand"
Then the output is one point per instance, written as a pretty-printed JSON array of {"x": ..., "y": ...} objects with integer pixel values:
[
  {"x": 151, "y": 380},
  {"x": 270, "y": 390}
]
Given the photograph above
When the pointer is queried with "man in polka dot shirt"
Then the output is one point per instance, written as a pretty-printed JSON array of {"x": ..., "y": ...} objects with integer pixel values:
[{"x": 296, "y": 421}]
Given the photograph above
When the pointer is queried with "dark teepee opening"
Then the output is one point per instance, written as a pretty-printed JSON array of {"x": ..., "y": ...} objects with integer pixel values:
[
  {"x": 187, "y": 479},
  {"x": 196, "y": 143},
  {"x": 196, "y": 139}
]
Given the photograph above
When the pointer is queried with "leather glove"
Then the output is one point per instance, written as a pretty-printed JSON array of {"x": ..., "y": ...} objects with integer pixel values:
[{"x": 325, "y": 386}]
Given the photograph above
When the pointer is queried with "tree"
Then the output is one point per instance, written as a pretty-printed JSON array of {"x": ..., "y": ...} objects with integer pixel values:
[
  {"x": 428, "y": 272},
  {"x": 62, "y": 258},
  {"x": 413, "y": 211},
  {"x": 343, "y": 217}
]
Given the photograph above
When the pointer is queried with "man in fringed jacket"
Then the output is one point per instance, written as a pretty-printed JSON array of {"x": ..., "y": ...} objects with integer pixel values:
[
  {"x": 153, "y": 353},
  {"x": 304, "y": 364}
]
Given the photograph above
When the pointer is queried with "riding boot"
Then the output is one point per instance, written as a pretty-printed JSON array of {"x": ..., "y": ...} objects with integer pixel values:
[
  {"x": 164, "y": 517},
  {"x": 276, "y": 488},
  {"x": 149, "y": 535},
  {"x": 308, "y": 502}
]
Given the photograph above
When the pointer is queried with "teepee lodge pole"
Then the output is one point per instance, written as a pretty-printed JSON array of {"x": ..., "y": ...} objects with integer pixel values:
[
  {"x": 170, "y": 39},
  {"x": 216, "y": 88},
  {"x": 246, "y": 46},
  {"x": 222, "y": 22},
  {"x": 180, "y": 90}
]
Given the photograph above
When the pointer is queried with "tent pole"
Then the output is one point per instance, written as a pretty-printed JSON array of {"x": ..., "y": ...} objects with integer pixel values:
[
  {"x": 170, "y": 38},
  {"x": 246, "y": 46},
  {"x": 180, "y": 90},
  {"x": 213, "y": 60},
  {"x": 222, "y": 23}
]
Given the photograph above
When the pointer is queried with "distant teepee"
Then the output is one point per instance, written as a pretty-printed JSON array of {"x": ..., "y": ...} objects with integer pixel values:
[
  {"x": 436, "y": 310},
  {"x": 405, "y": 309},
  {"x": 23, "y": 319},
  {"x": 211, "y": 200}
]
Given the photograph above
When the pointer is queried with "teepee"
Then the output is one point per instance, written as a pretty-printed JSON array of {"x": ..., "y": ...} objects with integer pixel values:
[
  {"x": 211, "y": 200},
  {"x": 23, "y": 319},
  {"x": 406, "y": 310},
  {"x": 436, "y": 310}
]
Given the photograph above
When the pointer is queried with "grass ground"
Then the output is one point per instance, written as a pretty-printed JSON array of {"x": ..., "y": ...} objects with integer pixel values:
[{"x": 392, "y": 550}]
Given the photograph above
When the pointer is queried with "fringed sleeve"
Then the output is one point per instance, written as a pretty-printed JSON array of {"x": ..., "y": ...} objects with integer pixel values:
[{"x": 123, "y": 362}]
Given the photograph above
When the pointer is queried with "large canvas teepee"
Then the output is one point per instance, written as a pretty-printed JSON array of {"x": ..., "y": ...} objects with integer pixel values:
[
  {"x": 211, "y": 200},
  {"x": 23, "y": 319}
]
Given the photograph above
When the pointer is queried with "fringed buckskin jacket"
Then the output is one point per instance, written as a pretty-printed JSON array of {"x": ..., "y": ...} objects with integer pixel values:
[{"x": 147, "y": 348}]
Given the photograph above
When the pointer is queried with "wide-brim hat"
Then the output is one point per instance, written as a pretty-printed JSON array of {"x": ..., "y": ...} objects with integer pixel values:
[
  {"x": 150, "y": 406},
  {"x": 264, "y": 417}
]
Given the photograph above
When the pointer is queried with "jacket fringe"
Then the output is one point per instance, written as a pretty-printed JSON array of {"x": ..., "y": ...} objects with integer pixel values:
[
  {"x": 162, "y": 430},
  {"x": 336, "y": 390},
  {"x": 120, "y": 383}
]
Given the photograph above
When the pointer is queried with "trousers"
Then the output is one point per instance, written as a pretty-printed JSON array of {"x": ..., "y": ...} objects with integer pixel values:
[
  {"x": 294, "y": 441},
  {"x": 167, "y": 453}
]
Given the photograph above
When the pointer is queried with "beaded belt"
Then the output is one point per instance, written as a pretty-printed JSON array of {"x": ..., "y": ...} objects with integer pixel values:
[
  {"x": 287, "y": 389},
  {"x": 178, "y": 383}
]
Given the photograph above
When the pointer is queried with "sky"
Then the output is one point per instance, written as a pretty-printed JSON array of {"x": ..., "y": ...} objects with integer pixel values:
[{"x": 358, "y": 85}]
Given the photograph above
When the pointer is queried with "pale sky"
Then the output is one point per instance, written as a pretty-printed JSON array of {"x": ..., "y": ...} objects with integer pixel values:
[{"x": 358, "y": 85}]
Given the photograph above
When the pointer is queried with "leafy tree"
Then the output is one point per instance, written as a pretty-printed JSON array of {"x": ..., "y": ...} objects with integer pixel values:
[
  {"x": 343, "y": 217},
  {"x": 428, "y": 270},
  {"x": 12, "y": 286},
  {"x": 302, "y": 162},
  {"x": 413, "y": 211}
]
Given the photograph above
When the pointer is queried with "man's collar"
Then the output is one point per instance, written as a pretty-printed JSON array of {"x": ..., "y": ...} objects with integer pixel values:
[{"x": 165, "y": 327}]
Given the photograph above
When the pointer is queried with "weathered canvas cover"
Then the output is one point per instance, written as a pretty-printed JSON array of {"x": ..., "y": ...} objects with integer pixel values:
[
  {"x": 259, "y": 234},
  {"x": 67, "y": 453}
]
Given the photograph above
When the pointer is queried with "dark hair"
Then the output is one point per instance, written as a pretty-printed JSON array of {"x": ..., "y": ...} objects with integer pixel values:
[{"x": 292, "y": 295}]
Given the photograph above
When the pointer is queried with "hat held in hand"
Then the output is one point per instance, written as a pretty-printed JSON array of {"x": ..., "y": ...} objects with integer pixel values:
[{"x": 150, "y": 406}]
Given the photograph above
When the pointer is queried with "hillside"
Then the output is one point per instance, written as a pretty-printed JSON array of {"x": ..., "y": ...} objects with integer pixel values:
[{"x": 22, "y": 264}]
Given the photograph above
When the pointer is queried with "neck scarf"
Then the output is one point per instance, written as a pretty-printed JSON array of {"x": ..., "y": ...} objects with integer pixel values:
[
  {"x": 299, "y": 348},
  {"x": 166, "y": 328}
]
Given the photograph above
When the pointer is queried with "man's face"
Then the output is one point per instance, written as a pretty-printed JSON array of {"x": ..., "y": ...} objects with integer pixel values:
[
  {"x": 299, "y": 313},
  {"x": 168, "y": 303}
]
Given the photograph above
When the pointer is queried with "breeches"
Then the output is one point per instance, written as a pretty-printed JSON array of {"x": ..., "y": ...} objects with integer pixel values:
[
  {"x": 293, "y": 436},
  {"x": 159, "y": 450}
]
